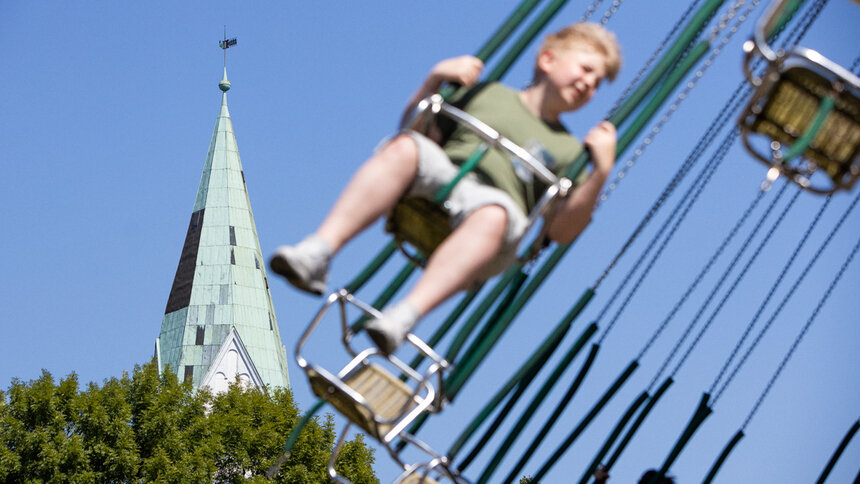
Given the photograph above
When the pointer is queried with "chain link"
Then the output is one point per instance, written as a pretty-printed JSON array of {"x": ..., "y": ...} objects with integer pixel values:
[
  {"x": 590, "y": 11},
  {"x": 610, "y": 12},
  {"x": 658, "y": 127}
]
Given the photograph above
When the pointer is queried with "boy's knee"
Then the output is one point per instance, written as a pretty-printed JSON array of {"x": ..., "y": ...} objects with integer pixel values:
[
  {"x": 397, "y": 159},
  {"x": 493, "y": 218},
  {"x": 402, "y": 147}
]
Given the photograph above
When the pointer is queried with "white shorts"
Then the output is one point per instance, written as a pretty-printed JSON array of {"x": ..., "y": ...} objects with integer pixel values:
[{"x": 435, "y": 170}]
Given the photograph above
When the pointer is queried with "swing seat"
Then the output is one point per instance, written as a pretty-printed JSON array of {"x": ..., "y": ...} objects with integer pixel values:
[
  {"x": 382, "y": 395},
  {"x": 804, "y": 117},
  {"x": 784, "y": 110},
  {"x": 419, "y": 223},
  {"x": 376, "y": 401}
]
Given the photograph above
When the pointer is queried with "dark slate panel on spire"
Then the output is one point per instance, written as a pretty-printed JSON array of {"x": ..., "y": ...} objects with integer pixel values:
[{"x": 180, "y": 293}]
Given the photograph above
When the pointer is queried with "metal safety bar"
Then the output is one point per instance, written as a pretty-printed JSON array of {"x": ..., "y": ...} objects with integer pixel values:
[
  {"x": 436, "y": 105},
  {"x": 367, "y": 390},
  {"x": 557, "y": 187}
]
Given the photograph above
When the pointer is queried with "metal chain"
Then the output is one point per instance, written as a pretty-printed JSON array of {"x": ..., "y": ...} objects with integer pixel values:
[
  {"x": 740, "y": 275},
  {"x": 803, "y": 332},
  {"x": 704, "y": 271},
  {"x": 728, "y": 16},
  {"x": 590, "y": 10},
  {"x": 797, "y": 33},
  {"x": 735, "y": 100},
  {"x": 610, "y": 12},
  {"x": 717, "y": 125},
  {"x": 799, "y": 30},
  {"x": 658, "y": 127},
  {"x": 790, "y": 261},
  {"x": 738, "y": 97},
  {"x": 653, "y": 58},
  {"x": 689, "y": 200}
]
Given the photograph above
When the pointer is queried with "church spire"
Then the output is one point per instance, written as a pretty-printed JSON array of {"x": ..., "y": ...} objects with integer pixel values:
[{"x": 219, "y": 323}]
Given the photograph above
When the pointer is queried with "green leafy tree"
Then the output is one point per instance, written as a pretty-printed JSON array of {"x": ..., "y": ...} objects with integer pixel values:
[{"x": 151, "y": 428}]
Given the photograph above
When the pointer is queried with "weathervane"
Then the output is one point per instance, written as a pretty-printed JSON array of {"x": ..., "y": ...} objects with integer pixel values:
[{"x": 225, "y": 44}]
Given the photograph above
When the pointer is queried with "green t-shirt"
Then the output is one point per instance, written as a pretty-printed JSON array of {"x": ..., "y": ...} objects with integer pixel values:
[{"x": 501, "y": 108}]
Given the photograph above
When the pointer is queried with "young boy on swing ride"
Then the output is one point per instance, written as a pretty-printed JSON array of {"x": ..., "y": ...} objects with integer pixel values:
[{"x": 487, "y": 208}]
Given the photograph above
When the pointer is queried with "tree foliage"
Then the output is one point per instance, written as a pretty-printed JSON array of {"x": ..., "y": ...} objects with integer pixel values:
[{"x": 149, "y": 427}]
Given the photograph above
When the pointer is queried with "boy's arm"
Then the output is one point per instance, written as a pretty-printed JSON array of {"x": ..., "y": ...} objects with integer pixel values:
[
  {"x": 571, "y": 215},
  {"x": 464, "y": 70}
]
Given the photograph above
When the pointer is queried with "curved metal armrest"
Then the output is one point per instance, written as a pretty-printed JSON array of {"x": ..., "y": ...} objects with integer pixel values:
[
  {"x": 759, "y": 45},
  {"x": 765, "y": 27},
  {"x": 436, "y": 105}
]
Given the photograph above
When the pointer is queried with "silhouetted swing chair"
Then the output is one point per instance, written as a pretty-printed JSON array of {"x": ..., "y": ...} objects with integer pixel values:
[{"x": 804, "y": 118}]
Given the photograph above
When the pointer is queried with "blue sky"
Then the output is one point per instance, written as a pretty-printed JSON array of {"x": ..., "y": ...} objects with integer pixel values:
[{"x": 107, "y": 114}]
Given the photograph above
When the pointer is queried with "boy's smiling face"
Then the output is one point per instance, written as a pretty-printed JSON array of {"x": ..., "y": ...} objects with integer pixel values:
[{"x": 572, "y": 76}]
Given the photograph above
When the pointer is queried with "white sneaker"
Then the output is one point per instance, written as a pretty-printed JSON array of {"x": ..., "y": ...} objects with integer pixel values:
[
  {"x": 389, "y": 331},
  {"x": 304, "y": 265}
]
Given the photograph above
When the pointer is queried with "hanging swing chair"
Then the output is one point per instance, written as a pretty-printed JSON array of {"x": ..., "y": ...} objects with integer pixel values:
[
  {"x": 804, "y": 118},
  {"x": 366, "y": 389},
  {"x": 423, "y": 224}
]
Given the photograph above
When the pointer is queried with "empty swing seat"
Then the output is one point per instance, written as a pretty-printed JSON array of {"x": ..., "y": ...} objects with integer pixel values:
[
  {"x": 379, "y": 399},
  {"x": 804, "y": 117},
  {"x": 786, "y": 109},
  {"x": 380, "y": 394}
]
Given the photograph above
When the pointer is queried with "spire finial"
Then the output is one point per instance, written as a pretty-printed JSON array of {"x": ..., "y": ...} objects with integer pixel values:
[{"x": 225, "y": 44}]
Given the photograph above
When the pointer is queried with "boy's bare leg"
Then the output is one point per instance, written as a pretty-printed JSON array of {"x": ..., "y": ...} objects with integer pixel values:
[
  {"x": 373, "y": 190},
  {"x": 371, "y": 193},
  {"x": 455, "y": 264},
  {"x": 458, "y": 261}
]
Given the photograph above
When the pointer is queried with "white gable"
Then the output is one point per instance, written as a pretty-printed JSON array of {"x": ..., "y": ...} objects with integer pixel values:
[{"x": 231, "y": 362}]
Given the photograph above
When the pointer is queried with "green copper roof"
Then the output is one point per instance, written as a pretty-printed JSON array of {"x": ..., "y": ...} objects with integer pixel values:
[{"x": 221, "y": 282}]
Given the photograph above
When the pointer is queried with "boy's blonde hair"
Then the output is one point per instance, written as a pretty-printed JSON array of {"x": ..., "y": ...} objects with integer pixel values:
[{"x": 591, "y": 35}]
